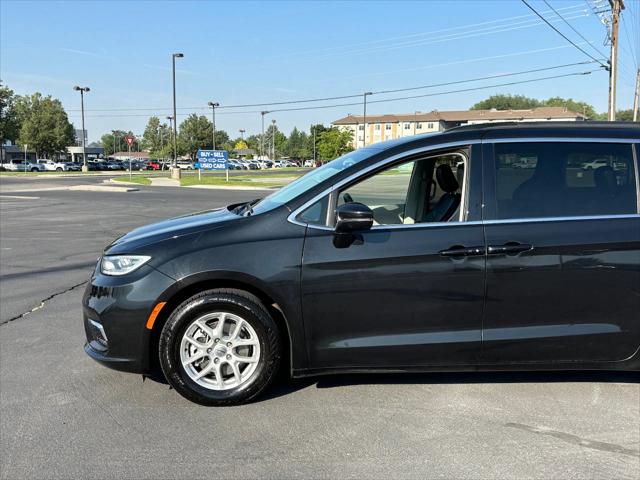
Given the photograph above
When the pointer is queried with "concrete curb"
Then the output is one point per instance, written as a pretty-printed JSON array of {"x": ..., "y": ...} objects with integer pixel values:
[{"x": 222, "y": 187}]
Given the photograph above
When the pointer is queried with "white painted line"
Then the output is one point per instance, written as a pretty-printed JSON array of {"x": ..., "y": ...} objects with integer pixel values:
[{"x": 19, "y": 197}]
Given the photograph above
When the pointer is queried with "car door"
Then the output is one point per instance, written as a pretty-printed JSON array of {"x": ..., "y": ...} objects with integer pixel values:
[
  {"x": 404, "y": 293},
  {"x": 563, "y": 242}
]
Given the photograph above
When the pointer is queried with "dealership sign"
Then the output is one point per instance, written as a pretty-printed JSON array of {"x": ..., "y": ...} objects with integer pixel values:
[{"x": 212, "y": 160}]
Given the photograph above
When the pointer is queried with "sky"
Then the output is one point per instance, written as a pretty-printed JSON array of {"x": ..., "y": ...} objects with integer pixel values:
[{"x": 239, "y": 53}]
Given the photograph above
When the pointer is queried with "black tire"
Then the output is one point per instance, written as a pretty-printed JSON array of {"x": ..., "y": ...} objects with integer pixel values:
[
  {"x": 59, "y": 169},
  {"x": 34, "y": 169},
  {"x": 236, "y": 302}
]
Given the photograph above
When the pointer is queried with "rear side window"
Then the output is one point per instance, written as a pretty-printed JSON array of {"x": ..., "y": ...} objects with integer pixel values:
[{"x": 537, "y": 180}]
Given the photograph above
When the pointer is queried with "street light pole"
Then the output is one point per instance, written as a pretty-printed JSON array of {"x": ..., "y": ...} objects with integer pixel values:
[
  {"x": 84, "y": 146},
  {"x": 242, "y": 130},
  {"x": 314, "y": 144},
  {"x": 213, "y": 106},
  {"x": 175, "y": 116},
  {"x": 263, "y": 113},
  {"x": 170, "y": 118},
  {"x": 364, "y": 121},
  {"x": 273, "y": 140}
]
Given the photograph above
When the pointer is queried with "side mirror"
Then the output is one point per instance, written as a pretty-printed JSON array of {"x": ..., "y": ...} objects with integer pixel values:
[{"x": 353, "y": 217}]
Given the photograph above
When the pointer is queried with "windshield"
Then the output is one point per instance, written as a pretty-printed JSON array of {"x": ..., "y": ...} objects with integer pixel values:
[{"x": 313, "y": 178}]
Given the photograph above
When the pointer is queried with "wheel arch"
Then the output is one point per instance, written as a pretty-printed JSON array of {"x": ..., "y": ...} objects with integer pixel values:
[{"x": 192, "y": 285}]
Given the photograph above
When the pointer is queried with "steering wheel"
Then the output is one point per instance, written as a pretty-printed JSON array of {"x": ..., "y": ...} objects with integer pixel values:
[{"x": 347, "y": 198}]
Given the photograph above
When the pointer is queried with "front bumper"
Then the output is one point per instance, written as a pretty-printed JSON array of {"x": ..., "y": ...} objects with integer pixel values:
[{"x": 115, "y": 312}]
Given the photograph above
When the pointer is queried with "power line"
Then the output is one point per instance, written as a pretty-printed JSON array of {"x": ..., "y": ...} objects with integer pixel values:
[
  {"x": 572, "y": 28},
  {"x": 563, "y": 35},
  {"x": 358, "y": 95},
  {"x": 319, "y": 107}
]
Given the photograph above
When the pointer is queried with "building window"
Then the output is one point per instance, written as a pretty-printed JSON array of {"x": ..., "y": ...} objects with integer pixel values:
[
  {"x": 377, "y": 126},
  {"x": 360, "y": 127},
  {"x": 387, "y": 126},
  {"x": 407, "y": 126},
  {"x": 419, "y": 126},
  {"x": 429, "y": 125},
  {"x": 360, "y": 138}
]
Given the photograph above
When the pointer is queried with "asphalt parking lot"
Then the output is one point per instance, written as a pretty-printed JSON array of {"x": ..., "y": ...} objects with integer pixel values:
[{"x": 64, "y": 416}]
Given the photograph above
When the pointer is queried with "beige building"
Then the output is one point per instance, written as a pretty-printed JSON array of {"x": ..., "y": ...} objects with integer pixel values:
[{"x": 380, "y": 128}]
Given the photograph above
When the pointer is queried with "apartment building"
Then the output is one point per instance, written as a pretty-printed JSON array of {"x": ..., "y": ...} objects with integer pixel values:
[{"x": 380, "y": 128}]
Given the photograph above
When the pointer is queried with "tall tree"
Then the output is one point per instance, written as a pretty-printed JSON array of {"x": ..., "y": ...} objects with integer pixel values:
[
  {"x": 116, "y": 142},
  {"x": 9, "y": 121},
  {"x": 45, "y": 126},
  {"x": 506, "y": 102},
  {"x": 297, "y": 145},
  {"x": 573, "y": 105},
  {"x": 195, "y": 133},
  {"x": 333, "y": 143}
]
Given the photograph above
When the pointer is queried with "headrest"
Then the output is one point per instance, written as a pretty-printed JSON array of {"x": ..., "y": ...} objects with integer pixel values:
[
  {"x": 446, "y": 179},
  {"x": 605, "y": 179}
]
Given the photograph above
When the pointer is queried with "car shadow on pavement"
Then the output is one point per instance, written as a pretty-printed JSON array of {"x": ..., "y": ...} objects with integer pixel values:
[{"x": 285, "y": 386}]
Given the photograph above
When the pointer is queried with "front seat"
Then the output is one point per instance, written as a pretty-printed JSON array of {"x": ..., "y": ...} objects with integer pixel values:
[
  {"x": 449, "y": 202},
  {"x": 606, "y": 182}
]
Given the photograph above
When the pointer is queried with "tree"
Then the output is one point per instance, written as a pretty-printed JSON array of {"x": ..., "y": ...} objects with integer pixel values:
[
  {"x": 156, "y": 135},
  {"x": 334, "y": 142},
  {"x": 195, "y": 133},
  {"x": 315, "y": 132},
  {"x": 9, "y": 121},
  {"x": 44, "y": 126},
  {"x": 624, "y": 115},
  {"x": 116, "y": 142},
  {"x": 506, "y": 102},
  {"x": 573, "y": 105},
  {"x": 240, "y": 145},
  {"x": 297, "y": 145}
]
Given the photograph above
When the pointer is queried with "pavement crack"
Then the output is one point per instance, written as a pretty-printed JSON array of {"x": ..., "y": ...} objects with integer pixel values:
[{"x": 42, "y": 303}]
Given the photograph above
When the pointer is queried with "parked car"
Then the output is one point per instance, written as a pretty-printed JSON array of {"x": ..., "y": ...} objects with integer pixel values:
[
  {"x": 153, "y": 165},
  {"x": 55, "y": 166},
  {"x": 594, "y": 164},
  {"x": 183, "y": 165},
  {"x": 353, "y": 269},
  {"x": 308, "y": 163},
  {"x": 20, "y": 165}
]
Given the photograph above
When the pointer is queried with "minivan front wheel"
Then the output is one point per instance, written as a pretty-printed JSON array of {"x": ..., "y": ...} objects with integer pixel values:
[{"x": 220, "y": 347}]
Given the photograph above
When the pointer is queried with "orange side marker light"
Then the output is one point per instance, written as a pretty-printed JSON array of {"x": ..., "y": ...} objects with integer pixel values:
[{"x": 154, "y": 314}]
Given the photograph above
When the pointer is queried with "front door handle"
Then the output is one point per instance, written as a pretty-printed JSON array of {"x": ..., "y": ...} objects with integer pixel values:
[
  {"x": 509, "y": 248},
  {"x": 462, "y": 251}
]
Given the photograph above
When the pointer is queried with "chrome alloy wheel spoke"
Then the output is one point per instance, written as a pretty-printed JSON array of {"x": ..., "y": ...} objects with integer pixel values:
[{"x": 219, "y": 360}]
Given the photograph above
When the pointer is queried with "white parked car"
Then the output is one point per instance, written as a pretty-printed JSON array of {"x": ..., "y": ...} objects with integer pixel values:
[
  {"x": 595, "y": 164},
  {"x": 308, "y": 163},
  {"x": 185, "y": 165},
  {"x": 54, "y": 166},
  {"x": 22, "y": 166}
]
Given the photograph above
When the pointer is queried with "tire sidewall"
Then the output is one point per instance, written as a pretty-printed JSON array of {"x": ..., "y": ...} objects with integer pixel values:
[{"x": 182, "y": 318}]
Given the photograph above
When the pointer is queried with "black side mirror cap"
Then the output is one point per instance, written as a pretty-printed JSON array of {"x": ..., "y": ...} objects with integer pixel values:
[{"x": 353, "y": 217}]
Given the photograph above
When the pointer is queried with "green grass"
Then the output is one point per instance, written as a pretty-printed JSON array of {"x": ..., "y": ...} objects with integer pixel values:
[
  {"x": 139, "y": 180},
  {"x": 234, "y": 181}
]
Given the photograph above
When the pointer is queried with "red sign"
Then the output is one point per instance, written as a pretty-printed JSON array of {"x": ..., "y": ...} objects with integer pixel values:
[{"x": 129, "y": 140}]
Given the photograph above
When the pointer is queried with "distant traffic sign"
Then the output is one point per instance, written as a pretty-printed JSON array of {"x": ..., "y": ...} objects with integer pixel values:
[
  {"x": 129, "y": 140},
  {"x": 212, "y": 160}
]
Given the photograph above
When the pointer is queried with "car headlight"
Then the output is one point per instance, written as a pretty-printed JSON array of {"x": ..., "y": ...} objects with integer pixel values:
[{"x": 122, "y": 264}]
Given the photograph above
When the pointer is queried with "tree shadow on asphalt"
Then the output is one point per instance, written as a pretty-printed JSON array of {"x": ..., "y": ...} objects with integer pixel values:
[{"x": 285, "y": 386}]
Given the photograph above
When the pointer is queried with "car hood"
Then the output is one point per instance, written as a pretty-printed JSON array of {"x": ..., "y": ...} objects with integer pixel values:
[{"x": 172, "y": 228}]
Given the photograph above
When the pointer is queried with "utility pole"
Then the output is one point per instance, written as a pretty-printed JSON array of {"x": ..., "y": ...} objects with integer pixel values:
[
  {"x": 170, "y": 118},
  {"x": 616, "y": 7},
  {"x": 213, "y": 106},
  {"x": 635, "y": 97},
  {"x": 364, "y": 121}
]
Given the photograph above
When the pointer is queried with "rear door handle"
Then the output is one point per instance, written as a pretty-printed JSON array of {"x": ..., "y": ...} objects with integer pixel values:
[
  {"x": 462, "y": 251},
  {"x": 509, "y": 248}
]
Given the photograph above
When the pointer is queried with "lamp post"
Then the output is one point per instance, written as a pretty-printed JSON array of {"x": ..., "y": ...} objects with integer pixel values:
[
  {"x": 364, "y": 120},
  {"x": 415, "y": 120},
  {"x": 82, "y": 90},
  {"x": 170, "y": 118},
  {"x": 213, "y": 106},
  {"x": 175, "y": 172},
  {"x": 263, "y": 113},
  {"x": 242, "y": 130},
  {"x": 273, "y": 140}
]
